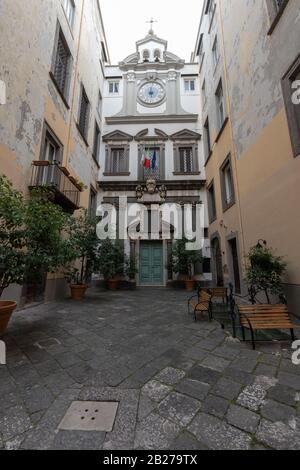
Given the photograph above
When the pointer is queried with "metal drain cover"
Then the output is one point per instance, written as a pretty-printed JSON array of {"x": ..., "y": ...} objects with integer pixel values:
[{"x": 90, "y": 416}]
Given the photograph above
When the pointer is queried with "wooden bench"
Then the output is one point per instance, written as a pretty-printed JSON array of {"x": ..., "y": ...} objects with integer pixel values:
[
  {"x": 220, "y": 293},
  {"x": 200, "y": 303},
  {"x": 265, "y": 317}
]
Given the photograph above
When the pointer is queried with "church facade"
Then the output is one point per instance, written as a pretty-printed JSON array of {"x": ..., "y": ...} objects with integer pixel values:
[{"x": 151, "y": 150}]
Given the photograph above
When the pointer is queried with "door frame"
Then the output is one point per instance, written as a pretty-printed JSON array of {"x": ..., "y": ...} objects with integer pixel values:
[
  {"x": 216, "y": 238},
  {"x": 231, "y": 237},
  {"x": 165, "y": 271}
]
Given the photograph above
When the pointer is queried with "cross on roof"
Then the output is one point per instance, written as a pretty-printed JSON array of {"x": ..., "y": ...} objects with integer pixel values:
[{"x": 151, "y": 22}]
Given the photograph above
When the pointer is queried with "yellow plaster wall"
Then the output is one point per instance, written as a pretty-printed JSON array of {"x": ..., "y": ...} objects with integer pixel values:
[{"x": 269, "y": 178}]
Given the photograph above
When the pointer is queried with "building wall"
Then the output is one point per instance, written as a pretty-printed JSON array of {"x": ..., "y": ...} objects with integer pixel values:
[
  {"x": 27, "y": 38},
  {"x": 266, "y": 172},
  {"x": 227, "y": 223},
  {"x": 126, "y": 115}
]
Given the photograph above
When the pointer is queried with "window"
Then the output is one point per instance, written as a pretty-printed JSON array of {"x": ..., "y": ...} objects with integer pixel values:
[
  {"x": 103, "y": 53},
  {"x": 212, "y": 211},
  {"x": 52, "y": 152},
  {"x": 157, "y": 55},
  {"x": 61, "y": 66},
  {"x": 51, "y": 148},
  {"x": 204, "y": 94},
  {"x": 113, "y": 88},
  {"x": 99, "y": 105},
  {"x": 96, "y": 143},
  {"x": 146, "y": 55},
  {"x": 84, "y": 109},
  {"x": 200, "y": 50},
  {"x": 220, "y": 104},
  {"x": 207, "y": 143},
  {"x": 216, "y": 52},
  {"x": 118, "y": 160},
  {"x": 276, "y": 9},
  {"x": 189, "y": 85},
  {"x": 186, "y": 159},
  {"x": 69, "y": 7},
  {"x": 93, "y": 202},
  {"x": 210, "y": 10},
  {"x": 291, "y": 91},
  {"x": 227, "y": 184}
]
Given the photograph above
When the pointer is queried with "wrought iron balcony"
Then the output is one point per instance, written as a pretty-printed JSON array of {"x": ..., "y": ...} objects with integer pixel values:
[{"x": 53, "y": 176}]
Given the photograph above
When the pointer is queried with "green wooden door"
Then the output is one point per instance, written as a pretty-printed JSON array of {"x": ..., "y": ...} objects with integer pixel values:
[{"x": 151, "y": 263}]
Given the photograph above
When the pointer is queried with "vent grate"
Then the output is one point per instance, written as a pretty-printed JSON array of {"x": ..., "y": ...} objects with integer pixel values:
[{"x": 90, "y": 416}]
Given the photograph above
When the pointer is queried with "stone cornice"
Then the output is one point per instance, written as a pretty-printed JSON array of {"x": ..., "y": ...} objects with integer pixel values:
[
  {"x": 152, "y": 119},
  {"x": 172, "y": 185}
]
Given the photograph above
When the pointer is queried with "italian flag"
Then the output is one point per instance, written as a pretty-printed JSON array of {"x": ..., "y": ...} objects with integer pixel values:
[{"x": 146, "y": 160}]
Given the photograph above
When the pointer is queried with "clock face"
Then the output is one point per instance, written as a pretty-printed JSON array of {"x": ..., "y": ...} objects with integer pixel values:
[{"x": 151, "y": 93}]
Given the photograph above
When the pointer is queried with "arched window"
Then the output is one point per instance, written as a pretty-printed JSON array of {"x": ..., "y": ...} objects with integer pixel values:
[
  {"x": 157, "y": 55},
  {"x": 146, "y": 55}
]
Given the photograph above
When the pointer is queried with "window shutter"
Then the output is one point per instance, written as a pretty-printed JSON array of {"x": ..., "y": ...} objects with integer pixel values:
[
  {"x": 127, "y": 155},
  {"x": 176, "y": 159}
]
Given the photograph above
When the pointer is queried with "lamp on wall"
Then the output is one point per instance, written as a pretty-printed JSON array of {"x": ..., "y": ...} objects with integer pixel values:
[{"x": 261, "y": 243}]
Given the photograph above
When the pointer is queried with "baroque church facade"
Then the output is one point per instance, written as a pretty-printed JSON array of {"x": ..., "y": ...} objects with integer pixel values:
[{"x": 151, "y": 150}]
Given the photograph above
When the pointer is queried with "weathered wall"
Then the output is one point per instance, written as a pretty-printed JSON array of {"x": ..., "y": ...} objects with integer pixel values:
[
  {"x": 268, "y": 173},
  {"x": 227, "y": 222},
  {"x": 27, "y": 38}
]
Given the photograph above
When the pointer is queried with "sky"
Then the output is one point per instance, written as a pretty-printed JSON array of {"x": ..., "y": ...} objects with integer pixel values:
[{"x": 125, "y": 23}]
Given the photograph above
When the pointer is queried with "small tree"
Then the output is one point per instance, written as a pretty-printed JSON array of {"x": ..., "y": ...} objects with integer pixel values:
[
  {"x": 265, "y": 272},
  {"x": 12, "y": 235},
  {"x": 47, "y": 249},
  {"x": 183, "y": 260},
  {"x": 110, "y": 259},
  {"x": 83, "y": 243}
]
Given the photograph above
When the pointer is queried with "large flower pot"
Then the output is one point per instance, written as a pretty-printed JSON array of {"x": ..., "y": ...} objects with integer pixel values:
[
  {"x": 190, "y": 285},
  {"x": 78, "y": 291},
  {"x": 6, "y": 310},
  {"x": 112, "y": 284}
]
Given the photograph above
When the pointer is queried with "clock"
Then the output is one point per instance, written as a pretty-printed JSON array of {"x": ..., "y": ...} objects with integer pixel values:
[{"x": 151, "y": 93}]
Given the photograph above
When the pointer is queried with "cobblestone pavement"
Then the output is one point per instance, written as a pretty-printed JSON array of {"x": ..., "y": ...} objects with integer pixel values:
[{"x": 180, "y": 385}]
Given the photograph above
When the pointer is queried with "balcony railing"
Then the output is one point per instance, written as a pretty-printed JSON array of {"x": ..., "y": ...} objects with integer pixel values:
[{"x": 52, "y": 175}]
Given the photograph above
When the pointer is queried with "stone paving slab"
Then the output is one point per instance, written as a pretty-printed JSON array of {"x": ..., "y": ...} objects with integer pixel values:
[{"x": 179, "y": 384}]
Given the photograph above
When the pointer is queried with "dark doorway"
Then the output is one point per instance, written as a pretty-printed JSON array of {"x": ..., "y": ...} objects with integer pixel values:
[
  {"x": 218, "y": 263},
  {"x": 235, "y": 265}
]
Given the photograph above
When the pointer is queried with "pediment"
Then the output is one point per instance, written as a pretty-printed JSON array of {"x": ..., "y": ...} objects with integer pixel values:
[
  {"x": 144, "y": 135},
  {"x": 131, "y": 59},
  {"x": 186, "y": 134},
  {"x": 172, "y": 58},
  {"x": 117, "y": 136}
]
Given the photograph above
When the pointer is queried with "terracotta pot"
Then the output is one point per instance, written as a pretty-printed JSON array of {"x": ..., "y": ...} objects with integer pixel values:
[
  {"x": 78, "y": 291},
  {"x": 6, "y": 310},
  {"x": 190, "y": 285},
  {"x": 112, "y": 284}
]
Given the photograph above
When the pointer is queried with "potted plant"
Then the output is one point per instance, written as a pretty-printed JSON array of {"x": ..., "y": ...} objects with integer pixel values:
[
  {"x": 111, "y": 262},
  {"x": 83, "y": 242},
  {"x": 183, "y": 262},
  {"x": 264, "y": 272},
  {"x": 12, "y": 242},
  {"x": 130, "y": 268}
]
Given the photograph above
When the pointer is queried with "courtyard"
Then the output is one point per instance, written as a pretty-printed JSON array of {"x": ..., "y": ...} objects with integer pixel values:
[{"x": 174, "y": 384}]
